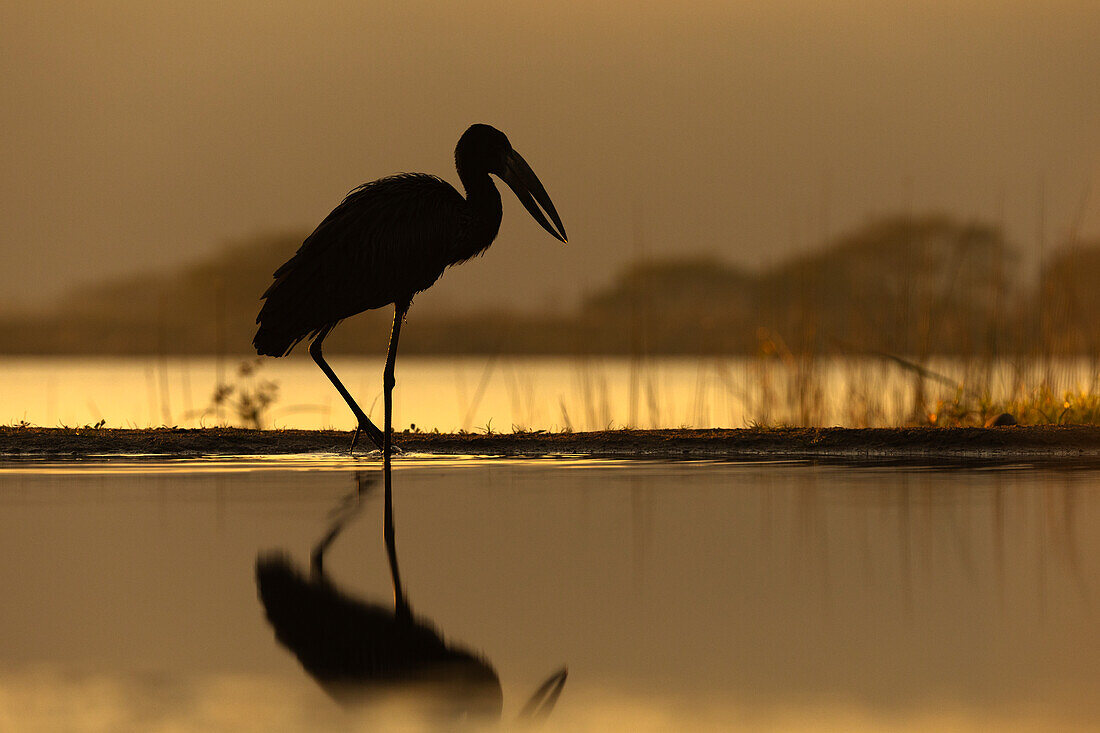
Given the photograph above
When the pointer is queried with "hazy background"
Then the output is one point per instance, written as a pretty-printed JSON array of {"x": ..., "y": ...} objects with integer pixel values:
[{"x": 140, "y": 136}]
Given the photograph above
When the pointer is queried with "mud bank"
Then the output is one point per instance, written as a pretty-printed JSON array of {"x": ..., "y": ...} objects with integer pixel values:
[{"x": 1046, "y": 442}]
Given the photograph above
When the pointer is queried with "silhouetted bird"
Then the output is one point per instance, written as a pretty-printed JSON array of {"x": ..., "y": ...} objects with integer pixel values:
[
  {"x": 360, "y": 652},
  {"x": 386, "y": 242}
]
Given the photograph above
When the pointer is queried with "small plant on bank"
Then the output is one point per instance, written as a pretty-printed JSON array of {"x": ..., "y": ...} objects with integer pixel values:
[{"x": 248, "y": 396}]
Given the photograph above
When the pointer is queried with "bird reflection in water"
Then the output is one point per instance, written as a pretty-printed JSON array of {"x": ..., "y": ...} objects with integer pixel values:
[{"x": 362, "y": 652}]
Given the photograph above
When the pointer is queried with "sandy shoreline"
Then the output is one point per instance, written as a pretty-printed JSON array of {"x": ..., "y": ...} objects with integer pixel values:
[{"x": 1046, "y": 442}]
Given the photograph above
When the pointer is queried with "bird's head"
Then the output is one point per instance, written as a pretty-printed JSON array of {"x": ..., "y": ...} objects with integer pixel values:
[{"x": 490, "y": 148}]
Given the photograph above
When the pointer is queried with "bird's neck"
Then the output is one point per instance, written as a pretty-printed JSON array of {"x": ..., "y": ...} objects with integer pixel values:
[{"x": 483, "y": 203}]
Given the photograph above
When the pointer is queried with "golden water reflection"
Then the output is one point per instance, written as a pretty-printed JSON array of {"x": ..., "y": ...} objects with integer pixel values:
[{"x": 682, "y": 596}]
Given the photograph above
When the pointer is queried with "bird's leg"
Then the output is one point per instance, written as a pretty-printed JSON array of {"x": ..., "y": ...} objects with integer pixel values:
[
  {"x": 363, "y": 422},
  {"x": 400, "y": 603},
  {"x": 317, "y": 557},
  {"x": 348, "y": 508}
]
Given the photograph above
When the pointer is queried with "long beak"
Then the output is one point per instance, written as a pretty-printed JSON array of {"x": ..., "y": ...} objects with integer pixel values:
[
  {"x": 542, "y": 702},
  {"x": 529, "y": 190}
]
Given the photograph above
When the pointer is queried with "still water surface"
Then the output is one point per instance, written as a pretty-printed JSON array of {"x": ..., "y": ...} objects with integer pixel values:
[{"x": 681, "y": 596}]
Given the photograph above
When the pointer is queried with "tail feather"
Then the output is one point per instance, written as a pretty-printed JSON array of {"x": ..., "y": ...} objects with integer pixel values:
[{"x": 269, "y": 342}]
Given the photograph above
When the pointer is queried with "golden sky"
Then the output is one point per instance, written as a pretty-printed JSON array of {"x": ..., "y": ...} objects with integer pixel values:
[{"x": 139, "y": 135}]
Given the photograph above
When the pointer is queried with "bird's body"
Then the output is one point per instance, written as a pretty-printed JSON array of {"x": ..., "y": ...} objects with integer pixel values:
[
  {"x": 389, "y": 240},
  {"x": 359, "y": 650}
]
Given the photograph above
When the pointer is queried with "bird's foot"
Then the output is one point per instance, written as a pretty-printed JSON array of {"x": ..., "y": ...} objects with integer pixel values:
[
  {"x": 354, "y": 441},
  {"x": 375, "y": 436}
]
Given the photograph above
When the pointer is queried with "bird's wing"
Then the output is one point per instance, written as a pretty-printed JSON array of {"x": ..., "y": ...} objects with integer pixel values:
[{"x": 388, "y": 240}]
